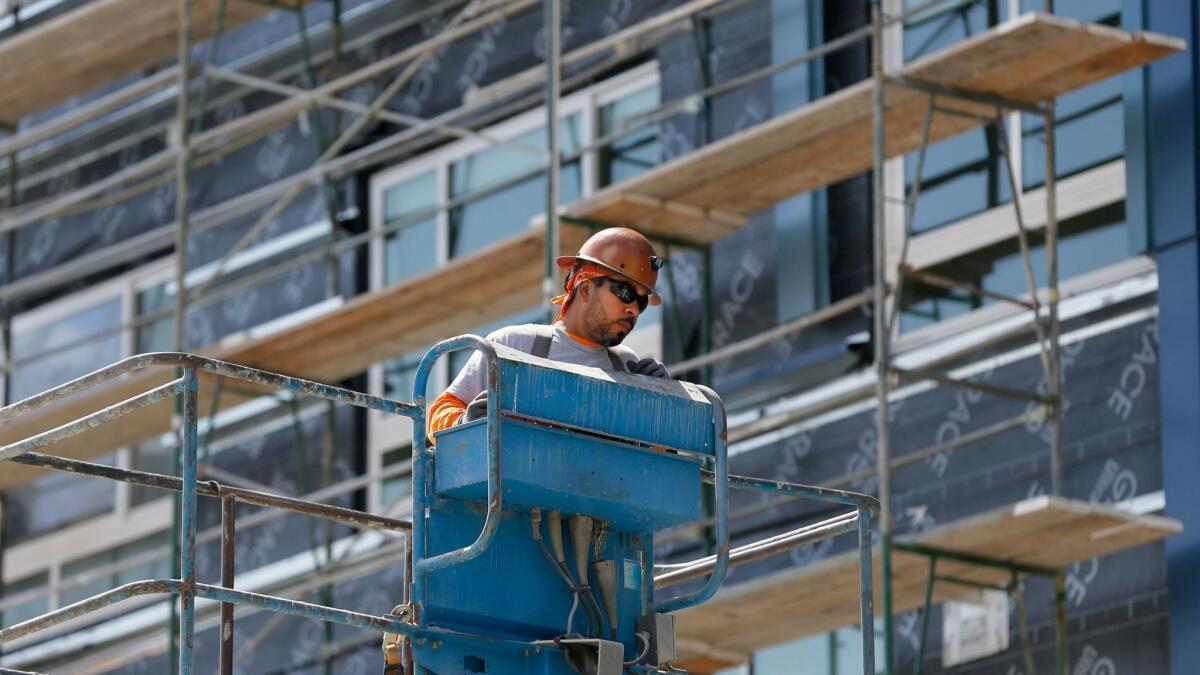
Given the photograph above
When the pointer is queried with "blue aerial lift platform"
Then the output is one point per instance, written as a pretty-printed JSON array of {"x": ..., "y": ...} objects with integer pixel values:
[{"x": 533, "y": 527}]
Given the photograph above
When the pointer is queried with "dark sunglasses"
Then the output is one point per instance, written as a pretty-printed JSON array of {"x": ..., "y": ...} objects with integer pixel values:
[{"x": 627, "y": 293}]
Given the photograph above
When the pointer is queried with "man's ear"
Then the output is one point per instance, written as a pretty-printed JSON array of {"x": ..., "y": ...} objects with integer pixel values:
[{"x": 584, "y": 291}]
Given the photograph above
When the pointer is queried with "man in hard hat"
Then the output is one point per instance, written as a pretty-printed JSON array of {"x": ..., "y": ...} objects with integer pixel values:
[{"x": 609, "y": 284}]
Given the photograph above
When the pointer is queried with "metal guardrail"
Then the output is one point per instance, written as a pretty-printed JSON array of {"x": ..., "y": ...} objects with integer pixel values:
[{"x": 188, "y": 589}]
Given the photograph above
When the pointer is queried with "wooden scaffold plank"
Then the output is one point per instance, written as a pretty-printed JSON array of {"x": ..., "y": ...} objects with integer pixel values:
[{"x": 1044, "y": 532}]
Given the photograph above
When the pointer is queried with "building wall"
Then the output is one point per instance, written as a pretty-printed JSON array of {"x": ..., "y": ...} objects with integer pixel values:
[{"x": 789, "y": 260}]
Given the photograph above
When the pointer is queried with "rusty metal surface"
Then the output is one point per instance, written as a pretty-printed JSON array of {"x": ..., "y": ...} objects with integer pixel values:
[
  {"x": 112, "y": 412},
  {"x": 215, "y": 489},
  {"x": 212, "y": 366}
]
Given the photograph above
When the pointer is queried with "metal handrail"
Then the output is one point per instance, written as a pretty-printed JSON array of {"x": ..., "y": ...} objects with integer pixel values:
[
  {"x": 186, "y": 587},
  {"x": 495, "y": 498}
]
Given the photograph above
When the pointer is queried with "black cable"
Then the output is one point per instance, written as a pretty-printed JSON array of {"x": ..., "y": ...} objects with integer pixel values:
[{"x": 577, "y": 590}]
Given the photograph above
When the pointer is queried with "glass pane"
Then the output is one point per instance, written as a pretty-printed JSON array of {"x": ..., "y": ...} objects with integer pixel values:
[
  {"x": 1088, "y": 243},
  {"x": 399, "y": 376},
  {"x": 636, "y": 151},
  {"x": 61, "y": 350},
  {"x": 27, "y": 609},
  {"x": 158, "y": 335},
  {"x": 412, "y": 196},
  {"x": 153, "y": 569},
  {"x": 410, "y": 251},
  {"x": 499, "y": 163},
  {"x": 155, "y": 457},
  {"x": 500, "y": 215},
  {"x": 56, "y": 500},
  {"x": 400, "y": 486}
]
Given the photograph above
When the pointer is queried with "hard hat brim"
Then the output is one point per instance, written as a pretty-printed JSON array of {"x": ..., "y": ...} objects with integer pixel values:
[{"x": 568, "y": 263}]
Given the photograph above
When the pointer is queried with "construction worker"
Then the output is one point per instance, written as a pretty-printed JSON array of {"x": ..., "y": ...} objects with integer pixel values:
[{"x": 610, "y": 282}]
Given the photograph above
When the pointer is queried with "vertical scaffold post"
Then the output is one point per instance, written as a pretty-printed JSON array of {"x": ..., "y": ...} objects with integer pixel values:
[
  {"x": 866, "y": 601},
  {"x": 1060, "y": 624},
  {"x": 228, "y": 550},
  {"x": 1054, "y": 377},
  {"x": 182, "y": 162},
  {"x": 187, "y": 533},
  {"x": 553, "y": 83},
  {"x": 880, "y": 330}
]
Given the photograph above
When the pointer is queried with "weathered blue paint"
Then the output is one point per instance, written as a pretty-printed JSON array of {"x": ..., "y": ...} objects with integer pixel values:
[
  {"x": 866, "y": 598},
  {"x": 720, "y": 507},
  {"x": 1170, "y": 174},
  {"x": 558, "y": 470},
  {"x": 187, "y": 524},
  {"x": 649, "y": 410},
  {"x": 424, "y": 565}
]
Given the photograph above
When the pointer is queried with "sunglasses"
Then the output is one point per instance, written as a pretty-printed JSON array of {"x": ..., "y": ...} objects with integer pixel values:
[{"x": 627, "y": 293}]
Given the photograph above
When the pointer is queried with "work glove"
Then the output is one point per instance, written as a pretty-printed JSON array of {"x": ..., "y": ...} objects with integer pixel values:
[
  {"x": 648, "y": 367},
  {"x": 476, "y": 409}
]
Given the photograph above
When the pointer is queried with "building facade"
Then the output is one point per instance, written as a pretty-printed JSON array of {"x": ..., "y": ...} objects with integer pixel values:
[{"x": 96, "y": 282}]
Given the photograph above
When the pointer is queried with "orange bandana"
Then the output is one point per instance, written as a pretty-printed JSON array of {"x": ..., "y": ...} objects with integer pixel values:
[{"x": 585, "y": 273}]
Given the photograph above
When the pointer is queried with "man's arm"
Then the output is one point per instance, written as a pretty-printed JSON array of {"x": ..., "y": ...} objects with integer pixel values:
[{"x": 444, "y": 412}]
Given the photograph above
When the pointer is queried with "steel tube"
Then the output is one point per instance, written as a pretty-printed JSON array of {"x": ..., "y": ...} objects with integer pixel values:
[
  {"x": 211, "y": 366},
  {"x": 910, "y": 213},
  {"x": 228, "y": 535},
  {"x": 1054, "y": 377},
  {"x": 964, "y": 94},
  {"x": 88, "y": 113},
  {"x": 980, "y": 561},
  {"x": 1061, "y": 656},
  {"x": 882, "y": 337},
  {"x": 816, "y": 492},
  {"x": 1026, "y": 253},
  {"x": 553, "y": 32},
  {"x": 866, "y": 598},
  {"x": 187, "y": 523},
  {"x": 112, "y": 412},
  {"x": 753, "y": 547},
  {"x": 920, "y": 374},
  {"x": 1023, "y": 624},
  {"x": 213, "y": 489},
  {"x": 925, "y": 609},
  {"x": 495, "y": 494},
  {"x": 83, "y": 607},
  {"x": 914, "y": 457},
  {"x": 282, "y": 89},
  {"x": 954, "y": 284},
  {"x": 761, "y": 339},
  {"x": 810, "y": 534},
  {"x": 721, "y": 505},
  {"x": 216, "y": 593}
]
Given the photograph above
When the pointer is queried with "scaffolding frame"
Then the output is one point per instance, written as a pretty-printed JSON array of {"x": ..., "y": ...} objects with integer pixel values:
[
  {"x": 886, "y": 310},
  {"x": 401, "y": 620},
  {"x": 883, "y": 296}
]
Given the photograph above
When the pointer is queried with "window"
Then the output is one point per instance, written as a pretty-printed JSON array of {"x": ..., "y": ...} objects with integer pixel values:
[
  {"x": 154, "y": 567},
  {"x": 64, "y": 348},
  {"x": 412, "y": 249},
  {"x": 23, "y": 610},
  {"x": 633, "y": 152},
  {"x": 54, "y": 500},
  {"x": 1086, "y": 243},
  {"x": 399, "y": 486},
  {"x": 511, "y": 186}
]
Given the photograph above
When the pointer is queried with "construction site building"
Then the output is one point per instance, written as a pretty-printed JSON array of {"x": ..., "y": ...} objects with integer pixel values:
[{"x": 943, "y": 252}]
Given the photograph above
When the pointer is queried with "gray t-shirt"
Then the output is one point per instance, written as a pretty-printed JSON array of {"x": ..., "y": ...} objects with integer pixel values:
[{"x": 473, "y": 378}]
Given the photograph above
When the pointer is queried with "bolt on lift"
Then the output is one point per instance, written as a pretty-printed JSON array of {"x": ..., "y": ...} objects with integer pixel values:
[{"x": 532, "y": 537}]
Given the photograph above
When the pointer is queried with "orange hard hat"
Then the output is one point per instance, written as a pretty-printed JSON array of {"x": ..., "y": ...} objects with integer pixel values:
[{"x": 622, "y": 251}]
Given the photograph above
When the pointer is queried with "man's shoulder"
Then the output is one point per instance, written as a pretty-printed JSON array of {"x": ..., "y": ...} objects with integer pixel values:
[{"x": 518, "y": 336}]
